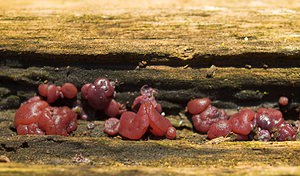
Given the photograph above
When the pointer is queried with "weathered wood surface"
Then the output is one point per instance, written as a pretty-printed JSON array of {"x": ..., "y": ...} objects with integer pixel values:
[
  {"x": 168, "y": 32},
  {"x": 77, "y": 41},
  {"x": 189, "y": 154},
  {"x": 24, "y": 170}
]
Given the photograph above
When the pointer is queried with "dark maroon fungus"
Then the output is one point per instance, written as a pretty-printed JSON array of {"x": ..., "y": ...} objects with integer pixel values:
[
  {"x": 267, "y": 124},
  {"x": 53, "y": 93},
  {"x": 114, "y": 108},
  {"x": 36, "y": 117},
  {"x": 205, "y": 119},
  {"x": 39, "y": 116},
  {"x": 263, "y": 135},
  {"x": 99, "y": 96},
  {"x": 268, "y": 118},
  {"x": 43, "y": 90},
  {"x": 285, "y": 132},
  {"x": 84, "y": 91}
]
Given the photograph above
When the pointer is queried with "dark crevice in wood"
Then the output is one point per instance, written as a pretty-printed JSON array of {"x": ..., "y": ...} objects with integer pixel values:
[{"x": 129, "y": 61}]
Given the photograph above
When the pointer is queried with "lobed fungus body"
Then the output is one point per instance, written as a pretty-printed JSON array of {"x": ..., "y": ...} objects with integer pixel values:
[
  {"x": 147, "y": 95},
  {"x": 198, "y": 105},
  {"x": 57, "y": 121},
  {"x": 27, "y": 117},
  {"x": 69, "y": 90},
  {"x": 220, "y": 128},
  {"x": 204, "y": 114},
  {"x": 285, "y": 132},
  {"x": 99, "y": 94},
  {"x": 134, "y": 126},
  {"x": 267, "y": 124},
  {"x": 268, "y": 118},
  {"x": 52, "y": 93},
  {"x": 38, "y": 117},
  {"x": 100, "y": 97},
  {"x": 241, "y": 122}
]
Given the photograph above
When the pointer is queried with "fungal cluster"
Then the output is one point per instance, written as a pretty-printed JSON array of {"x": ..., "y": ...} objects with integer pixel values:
[
  {"x": 204, "y": 114},
  {"x": 52, "y": 92},
  {"x": 99, "y": 97},
  {"x": 56, "y": 109},
  {"x": 37, "y": 116},
  {"x": 145, "y": 117},
  {"x": 263, "y": 125}
]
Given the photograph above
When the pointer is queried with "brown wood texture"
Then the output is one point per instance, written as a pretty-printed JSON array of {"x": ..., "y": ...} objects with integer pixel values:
[
  {"x": 162, "y": 31},
  {"x": 189, "y": 154},
  {"x": 254, "y": 46}
]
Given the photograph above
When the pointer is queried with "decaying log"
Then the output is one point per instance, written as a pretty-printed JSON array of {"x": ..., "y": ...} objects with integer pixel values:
[{"x": 238, "y": 53}]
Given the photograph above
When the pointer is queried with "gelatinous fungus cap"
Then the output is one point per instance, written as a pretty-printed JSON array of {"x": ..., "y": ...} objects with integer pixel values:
[
  {"x": 147, "y": 95},
  {"x": 98, "y": 94},
  {"x": 220, "y": 128},
  {"x": 52, "y": 92},
  {"x": 36, "y": 117},
  {"x": 241, "y": 122},
  {"x": 268, "y": 118}
]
